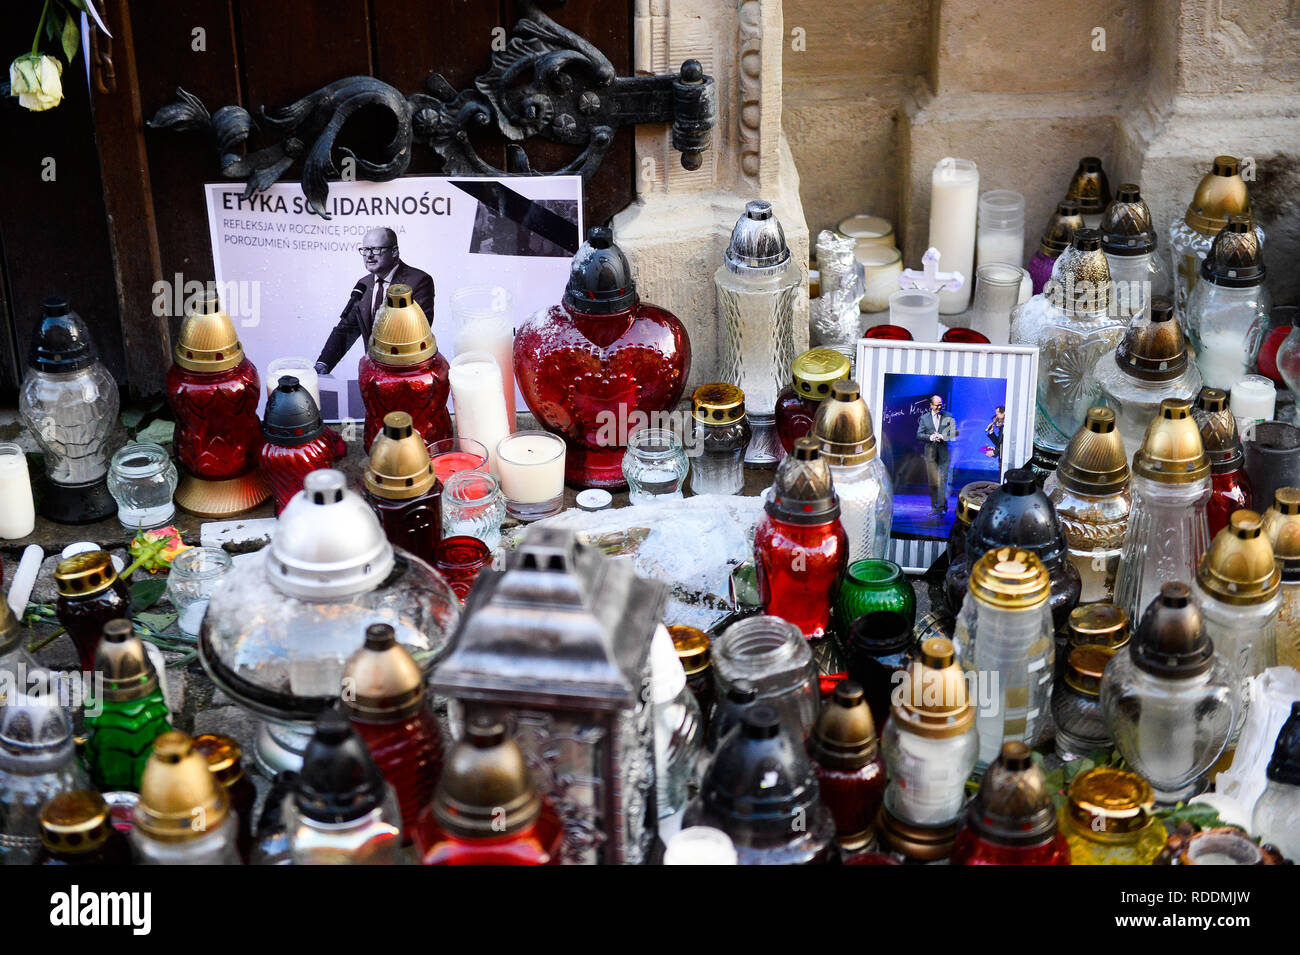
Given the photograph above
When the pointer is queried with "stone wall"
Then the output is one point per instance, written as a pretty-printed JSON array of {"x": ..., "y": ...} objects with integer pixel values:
[{"x": 876, "y": 91}]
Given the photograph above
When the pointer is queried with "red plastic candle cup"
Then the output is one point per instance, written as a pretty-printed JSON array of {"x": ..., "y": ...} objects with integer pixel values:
[
  {"x": 451, "y": 455},
  {"x": 459, "y": 559},
  {"x": 893, "y": 333},
  {"x": 964, "y": 336}
]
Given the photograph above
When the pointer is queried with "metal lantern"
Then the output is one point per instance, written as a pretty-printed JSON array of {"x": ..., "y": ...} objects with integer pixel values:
[{"x": 559, "y": 644}]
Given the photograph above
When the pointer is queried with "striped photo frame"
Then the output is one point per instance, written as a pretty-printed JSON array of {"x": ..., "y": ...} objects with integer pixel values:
[{"x": 1017, "y": 364}]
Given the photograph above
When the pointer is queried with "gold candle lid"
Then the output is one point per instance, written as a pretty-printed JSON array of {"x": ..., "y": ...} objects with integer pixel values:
[
  {"x": 128, "y": 672},
  {"x": 692, "y": 646},
  {"x": 972, "y": 497},
  {"x": 1106, "y": 802},
  {"x": 843, "y": 426},
  {"x": 1239, "y": 568},
  {"x": 844, "y": 736},
  {"x": 1065, "y": 221},
  {"x": 75, "y": 821},
  {"x": 11, "y": 631},
  {"x": 1085, "y": 666},
  {"x": 718, "y": 403},
  {"x": 224, "y": 756},
  {"x": 1094, "y": 461},
  {"x": 1126, "y": 227},
  {"x": 931, "y": 700},
  {"x": 1089, "y": 187},
  {"x": 399, "y": 467},
  {"x": 1282, "y": 526},
  {"x": 401, "y": 334},
  {"x": 1153, "y": 349},
  {"x": 1221, "y": 192},
  {"x": 1099, "y": 624},
  {"x": 1010, "y": 579},
  {"x": 208, "y": 341},
  {"x": 1172, "y": 451},
  {"x": 382, "y": 683},
  {"x": 816, "y": 370},
  {"x": 180, "y": 799},
  {"x": 486, "y": 790},
  {"x": 82, "y": 575}
]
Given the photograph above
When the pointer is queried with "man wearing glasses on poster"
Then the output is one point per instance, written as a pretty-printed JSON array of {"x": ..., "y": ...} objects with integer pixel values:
[
  {"x": 384, "y": 268},
  {"x": 936, "y": 429}
]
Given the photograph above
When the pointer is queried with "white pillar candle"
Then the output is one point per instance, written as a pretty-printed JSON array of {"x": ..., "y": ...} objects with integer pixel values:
[
  {"x": 532, "y": 473},
  {"x": 881, "y": 267},
  {"x": 867, "y": 231},
  {"x": 954, "y": 199},
  {"x": 24, "y": 580},
  {"x": 1252, "y": 400},
  {"x": 300, "y": 368},
  {"x": 483, "y": 316},
  {"x": 476, "y": 391},
  {"x": 17, "y": 511}
]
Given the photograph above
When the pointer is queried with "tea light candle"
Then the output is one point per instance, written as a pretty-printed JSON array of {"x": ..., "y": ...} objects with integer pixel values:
[
  {"x": 478, "y": 395},
  {"x": 1252, "y": 400},
  {"x": 17, "y": 511},
  {"x": 532, "y": 474},
  {"x": 954, "y": 200},
  {"x": 300, "y": 368}
]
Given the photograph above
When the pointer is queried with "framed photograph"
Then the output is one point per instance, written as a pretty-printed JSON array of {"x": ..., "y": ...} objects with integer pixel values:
[{"x": 945, "y": 415}]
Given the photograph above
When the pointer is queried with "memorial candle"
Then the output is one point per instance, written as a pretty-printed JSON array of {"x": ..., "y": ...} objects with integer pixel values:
[
  {"x": 954, "y": 199},
  {"x": 17, "y": 512},
  {"x": 477, "y": 390}
]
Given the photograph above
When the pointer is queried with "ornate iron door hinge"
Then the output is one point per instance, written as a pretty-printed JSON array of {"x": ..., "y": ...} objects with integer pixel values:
[{"x": 547, "y": 82}]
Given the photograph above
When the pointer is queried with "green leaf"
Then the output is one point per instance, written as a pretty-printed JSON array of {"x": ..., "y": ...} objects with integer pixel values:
[
  {"x": 145, "y": 593},
  {"x": 159, "y": 432},
  {"x": 1202, "y": 815},
  {"x": 71, "y": 38},
  {"x": 132, "y": 417},
  {"x": 158, "y": 621}
]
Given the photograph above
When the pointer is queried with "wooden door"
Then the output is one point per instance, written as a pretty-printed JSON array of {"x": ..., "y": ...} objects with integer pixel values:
[{"x": 258, "y": 53}]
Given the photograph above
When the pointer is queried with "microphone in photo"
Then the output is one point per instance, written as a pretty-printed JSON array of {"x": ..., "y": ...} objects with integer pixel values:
[{"x": 357, "y": 291}]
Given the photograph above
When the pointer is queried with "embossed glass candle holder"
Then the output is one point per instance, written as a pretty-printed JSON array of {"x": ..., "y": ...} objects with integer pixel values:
[
  {"x": 194, "y": 577},
  {"x": 654, "y": 465},
  {"x": 1228, "y": 308},
  {"x": 142, "y": 479},
  {"x": 459, "y": 559},
  {"x": 473, "y": 505},
  {"x": 1220, "y": 193},
  {"x": 1137, "y": 271},
  {"x": 69, "y": 404}
]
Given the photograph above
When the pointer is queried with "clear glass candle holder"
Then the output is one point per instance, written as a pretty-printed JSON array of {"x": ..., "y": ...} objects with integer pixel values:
[
  {"x": 654, "y": 465},
  {"x": 532, "y": 474},
  {"x": 142, "y": 479},
  {"x": 195, "y": 576},
  {"x": 17, "y": 507},
  {"x": 453, "y": 455},
  {"x": 304, "y": 369},
  {"x": 917, "y": 311},
  {"x": 473, "y": 505},
  {"x": 997, "y": 292}
]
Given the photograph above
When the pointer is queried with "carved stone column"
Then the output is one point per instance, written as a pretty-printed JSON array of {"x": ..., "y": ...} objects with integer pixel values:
[{"x": 677, "y": 229}]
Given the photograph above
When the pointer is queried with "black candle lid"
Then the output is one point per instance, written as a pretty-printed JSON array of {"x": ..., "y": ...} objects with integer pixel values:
[
  {"x": 292, "y": 417},
  {"x": 1284, "y": 767},
  {"x": 1018, "y": 514},
  {"x": 600, "y": 278},
  {"x": 1171, "y": 642},
  {"x": 339, "y": 780},
  {"x": 62, "y": 342}
]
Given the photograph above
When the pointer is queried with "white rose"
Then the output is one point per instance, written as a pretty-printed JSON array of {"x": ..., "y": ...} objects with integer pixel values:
[{"x": 35, "y": 80}]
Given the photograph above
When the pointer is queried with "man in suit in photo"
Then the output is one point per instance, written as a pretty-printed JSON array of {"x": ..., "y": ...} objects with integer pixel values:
[
  {"x": 384, "y": 268},
  {"x": 936, "y": 429}
]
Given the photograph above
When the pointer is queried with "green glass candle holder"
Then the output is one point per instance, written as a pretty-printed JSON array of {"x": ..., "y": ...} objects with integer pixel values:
[{"x": 872, "y": 586}]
